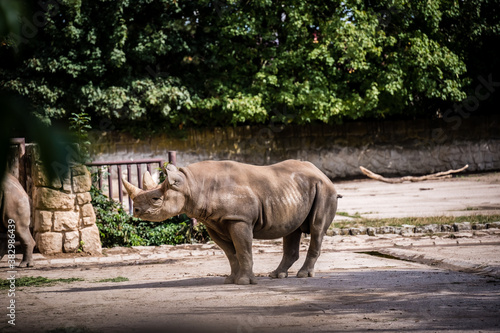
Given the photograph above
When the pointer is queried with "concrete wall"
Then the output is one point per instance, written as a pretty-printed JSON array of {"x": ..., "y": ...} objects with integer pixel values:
[{"x": 385, "y": 147}]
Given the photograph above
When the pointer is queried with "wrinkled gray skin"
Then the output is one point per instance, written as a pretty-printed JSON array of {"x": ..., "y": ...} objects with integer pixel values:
[
  {"x": 238, "y": 202},
  {"x": 15, "y": 205}
]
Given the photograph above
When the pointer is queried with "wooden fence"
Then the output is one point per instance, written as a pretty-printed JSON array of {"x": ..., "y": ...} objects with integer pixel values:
[{"x": 118, "y": 167}]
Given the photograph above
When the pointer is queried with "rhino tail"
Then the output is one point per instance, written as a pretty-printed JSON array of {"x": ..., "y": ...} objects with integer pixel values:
[{"x": 339, "y": 196}]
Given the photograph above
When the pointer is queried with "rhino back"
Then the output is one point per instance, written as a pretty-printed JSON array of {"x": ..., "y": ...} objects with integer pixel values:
[{"x": 276, "y": 199}]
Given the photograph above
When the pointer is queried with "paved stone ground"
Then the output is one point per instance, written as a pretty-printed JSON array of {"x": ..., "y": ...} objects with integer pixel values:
[{"x": 442, "y": 283}]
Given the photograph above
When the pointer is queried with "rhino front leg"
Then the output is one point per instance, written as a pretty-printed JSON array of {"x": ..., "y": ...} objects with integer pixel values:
[
  {"x": 242, "y": 236},
  {"x": 230, "y": 252},
  {"x": 291, "y": 244}
]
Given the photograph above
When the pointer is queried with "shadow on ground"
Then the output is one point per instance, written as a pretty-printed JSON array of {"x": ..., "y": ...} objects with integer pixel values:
[{"x": 386, "y": 300}]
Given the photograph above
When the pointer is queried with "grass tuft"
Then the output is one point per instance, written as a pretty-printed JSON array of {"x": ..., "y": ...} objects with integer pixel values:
[
  {"x": 116, "y": 279},
  {"x": 30, "y": 281}
]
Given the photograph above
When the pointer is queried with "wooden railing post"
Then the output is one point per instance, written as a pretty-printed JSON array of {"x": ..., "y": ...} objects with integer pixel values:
[
  {"x": 99, "y": 174},
  {"x": 139, "y": 176},
  {"x": 120, "y": 193},
  {"x": 172, "y": 157},
  {"x": 110, "y": 182},
  {"x": 129, "y": 179}
]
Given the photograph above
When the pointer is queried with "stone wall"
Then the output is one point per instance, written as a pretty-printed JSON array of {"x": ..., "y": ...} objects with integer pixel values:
[
  {"x": 62, "y": 214},
  {"x": 409, "y": 147}
]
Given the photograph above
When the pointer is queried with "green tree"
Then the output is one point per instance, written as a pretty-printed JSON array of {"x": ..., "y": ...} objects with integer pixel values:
[{"x": 165, "y": 63}]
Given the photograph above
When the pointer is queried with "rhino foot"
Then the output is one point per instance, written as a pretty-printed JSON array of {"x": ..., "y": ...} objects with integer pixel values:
[
  {"x": 229, "y": 279},
  {"x": 246, "y": 280},
  {"x": 304, "y": 274},
  {"x": 26, "y": 264},
  {"x": 278, "y": 275}
]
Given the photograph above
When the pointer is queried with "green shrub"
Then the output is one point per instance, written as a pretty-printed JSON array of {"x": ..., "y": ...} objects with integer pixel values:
[{"x": 118, "y": 228}]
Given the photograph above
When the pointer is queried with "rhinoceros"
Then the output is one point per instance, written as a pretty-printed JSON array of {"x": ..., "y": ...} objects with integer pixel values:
[
  {"x": 15, "y": 211},
  {"x": 238, "y": 202}
]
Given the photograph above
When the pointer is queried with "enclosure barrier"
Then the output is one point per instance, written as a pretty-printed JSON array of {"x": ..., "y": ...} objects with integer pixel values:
[{"x": 128, "y": 164}]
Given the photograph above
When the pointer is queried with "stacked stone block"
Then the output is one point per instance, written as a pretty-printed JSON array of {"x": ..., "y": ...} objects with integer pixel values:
[{"x": 64, "y": 219}]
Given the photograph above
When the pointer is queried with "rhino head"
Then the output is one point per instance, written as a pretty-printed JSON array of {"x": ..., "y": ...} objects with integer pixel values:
[{"x": 157, "y": 203}]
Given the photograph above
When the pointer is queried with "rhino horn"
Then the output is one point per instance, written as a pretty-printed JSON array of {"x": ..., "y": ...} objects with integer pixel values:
[
  {"x": 147, "y": 181},
  {"x": 131, "y": 189}
]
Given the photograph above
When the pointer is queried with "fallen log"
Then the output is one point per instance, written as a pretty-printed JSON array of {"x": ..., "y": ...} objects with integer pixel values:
[{"x": 434, "y": 176}]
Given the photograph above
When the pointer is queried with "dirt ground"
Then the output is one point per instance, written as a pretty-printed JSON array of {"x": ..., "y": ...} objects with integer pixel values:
[{"x": 422, "y": 284}]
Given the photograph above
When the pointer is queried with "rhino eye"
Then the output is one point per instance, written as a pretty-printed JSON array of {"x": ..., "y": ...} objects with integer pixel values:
[{"x": 156, "y": 199}]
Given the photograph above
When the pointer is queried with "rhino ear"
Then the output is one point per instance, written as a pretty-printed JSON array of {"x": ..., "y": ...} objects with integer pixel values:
[
  {"x": 147, "y": 181},
  {"x": 174, "y": 176}
]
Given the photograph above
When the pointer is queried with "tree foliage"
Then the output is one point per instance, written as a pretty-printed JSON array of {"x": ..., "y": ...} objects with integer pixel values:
[{"x": 169, "y": 63}]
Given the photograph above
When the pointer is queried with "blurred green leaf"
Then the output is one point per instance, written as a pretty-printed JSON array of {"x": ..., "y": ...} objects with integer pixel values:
[{"x": 55, "y": 146}]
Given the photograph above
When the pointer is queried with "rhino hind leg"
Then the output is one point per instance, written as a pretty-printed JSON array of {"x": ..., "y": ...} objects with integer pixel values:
[
  {"x": 291, "y": 244},
  {"x": 313, "y": 252},
  {"x": 320, "y": 218},
  {"x": 28, "y": 244},
  {"x": 27, "y": 257}
]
